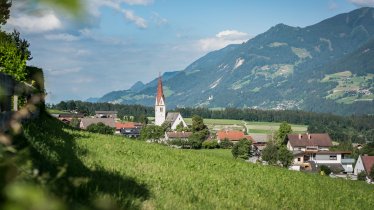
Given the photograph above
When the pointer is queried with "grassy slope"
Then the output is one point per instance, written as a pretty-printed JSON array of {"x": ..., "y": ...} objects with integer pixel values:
[{"x": 142, "y": 175}]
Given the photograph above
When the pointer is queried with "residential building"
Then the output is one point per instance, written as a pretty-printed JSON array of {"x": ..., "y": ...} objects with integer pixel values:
[
  {"x": 233, "y": 136},
  {"x": 364, "y": 163},
  {"x": 177, "y": 135},
  {"x": 106, "y": 114},
  {"x": 129, "y": 129},
  {"x": 313, "y": 150},
  {"x": 85, "y": 122},
  {"x": 67, "y": 117}
]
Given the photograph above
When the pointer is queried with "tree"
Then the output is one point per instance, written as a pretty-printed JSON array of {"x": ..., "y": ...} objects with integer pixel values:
[
  {"x": 282, "y": 132},
  {"x": 225, "y": 144},
  {"x": 100, "y": 128},
  {"x": 210, "y": 144},
  {"x": 371, "y": 174},
  {"x": 4, "y": 11},
  {"x": 166, "y": 126},
  {"x": 361, "y": 176},
  {"x": 151, "y": 132},
  {"x": 199, "y": 129},
  {"x": 242, "y": 149},
  {"x": 270, "y": 153},
  {"x": 74, "y": 122},
  {"x": 285, "y": 156},
  {"x": 325, "y": 169}
]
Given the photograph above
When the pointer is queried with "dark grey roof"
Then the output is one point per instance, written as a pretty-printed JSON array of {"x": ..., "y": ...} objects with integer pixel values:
[
  {"x": 85, "y": 122},
  {"x": 106, "y": 112},
  {"x": 172, "y": 116}
]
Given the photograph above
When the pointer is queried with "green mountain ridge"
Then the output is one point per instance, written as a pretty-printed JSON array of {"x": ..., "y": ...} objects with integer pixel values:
[{"x": 282, "y": 68}]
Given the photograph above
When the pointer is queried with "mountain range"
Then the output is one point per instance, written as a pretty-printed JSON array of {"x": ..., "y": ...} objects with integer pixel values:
[{"x": 325, "y": 67}]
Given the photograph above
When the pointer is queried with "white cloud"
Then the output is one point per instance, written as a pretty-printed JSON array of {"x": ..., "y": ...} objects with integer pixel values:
[
  {"x": 158, "y": 19},
  {"x": 363, "y": 3},
  {"x": 232, "y": 34},
  {"x": 93, "y": 7},
  {"x": 221, "y": 40},
  {"x": 62, "y": 37},
  {"x": 138, "y": 2},
  {"x": 46, "y": 21},
  {"x": 139, "y": 21}
]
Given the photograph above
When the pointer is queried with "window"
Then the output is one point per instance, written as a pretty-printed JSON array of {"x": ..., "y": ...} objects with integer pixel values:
[
  {"x": 333, "y": 157},
  {"x": 299, "y": 159},
  {"x": 161, "y": 109}
]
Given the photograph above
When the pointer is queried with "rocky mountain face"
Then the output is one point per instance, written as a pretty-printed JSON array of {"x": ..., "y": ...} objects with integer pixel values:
[{"x": 326, "y": 67}]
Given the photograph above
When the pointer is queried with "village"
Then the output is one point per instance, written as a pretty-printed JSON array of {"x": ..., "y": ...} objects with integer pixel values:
[{"x": 308, "y": 152}]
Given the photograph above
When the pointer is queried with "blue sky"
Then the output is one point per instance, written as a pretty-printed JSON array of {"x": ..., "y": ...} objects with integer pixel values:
[{"x": 115, "y": 43}]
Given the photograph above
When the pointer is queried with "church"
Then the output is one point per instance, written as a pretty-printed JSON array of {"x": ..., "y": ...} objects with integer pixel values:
[{"x": 161, "y": 116}]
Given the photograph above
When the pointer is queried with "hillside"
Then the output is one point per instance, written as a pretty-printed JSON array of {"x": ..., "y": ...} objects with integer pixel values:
[
  {"x": 137, "y": 174},
  {"x": 283, "y": 68}
]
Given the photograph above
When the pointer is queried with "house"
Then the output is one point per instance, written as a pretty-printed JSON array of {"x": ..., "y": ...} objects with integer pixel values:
[
  {"x": 233, "y": 136},
  {"x": 85, "y": 122},
  {"x": 106, "y": 114},
  {"x": 364, "y": 163},
  {"x": 304, "y": 142},
  {"x": 67, "y": 117},
  {"x": 177, "y": 135},
  {"x": 174, "y": 118},
  {"x": 261, "y": 140},
  {"x": 129, "y": 129},
  {"x": 313, "y": 150}
]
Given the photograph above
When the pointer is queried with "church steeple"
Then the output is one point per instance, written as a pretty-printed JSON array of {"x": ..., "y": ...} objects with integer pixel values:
[
  {"x": 160, "y": 92},
  {"x": 160, "y": 106}
]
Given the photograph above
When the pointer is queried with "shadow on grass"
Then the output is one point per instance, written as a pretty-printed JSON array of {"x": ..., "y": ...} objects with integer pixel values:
[{"x": 54, "y": 153}]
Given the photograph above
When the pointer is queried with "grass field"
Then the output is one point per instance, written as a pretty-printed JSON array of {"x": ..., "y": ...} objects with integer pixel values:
[
  {"x": 252, "y": 127},
  {"x": 140, "y": 175}
]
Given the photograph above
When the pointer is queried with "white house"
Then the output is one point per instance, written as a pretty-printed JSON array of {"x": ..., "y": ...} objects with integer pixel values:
[
  {"x": 364, "y": 163},
  {"x": 175, "y": 118},
  {"x": 313, "y": 150}
]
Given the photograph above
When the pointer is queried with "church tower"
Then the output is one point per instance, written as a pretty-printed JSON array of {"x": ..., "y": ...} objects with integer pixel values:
[{"x": 160, "y": 107}]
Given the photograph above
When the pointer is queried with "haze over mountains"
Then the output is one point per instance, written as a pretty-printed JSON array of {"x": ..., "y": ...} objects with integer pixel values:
[{"x": 326, "y": 67}]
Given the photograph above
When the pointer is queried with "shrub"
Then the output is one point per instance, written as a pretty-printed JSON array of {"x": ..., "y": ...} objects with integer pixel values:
[
  {"x": 361, "y": 176},
  {"x": 210, "y": 144},
  {"x": 226, "y": 144},
  {"x": 242, "y": 149},
  {"x": 326, "y": 170},
  {"x": 100, "y": 128},
  {"x": 270, "y": 154}
]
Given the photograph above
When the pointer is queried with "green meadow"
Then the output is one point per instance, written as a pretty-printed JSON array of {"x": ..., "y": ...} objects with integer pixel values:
[{"x": 139, "y": 175}]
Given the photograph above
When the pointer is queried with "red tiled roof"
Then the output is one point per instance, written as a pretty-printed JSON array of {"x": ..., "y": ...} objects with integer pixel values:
[
  {"x": 160, "y": 92},
  {"x": 126, "y": 125},
  {"x": 233, "y": 135},
  {"x": 312, "y": 139},
  {"x": 368, "y": 162}
]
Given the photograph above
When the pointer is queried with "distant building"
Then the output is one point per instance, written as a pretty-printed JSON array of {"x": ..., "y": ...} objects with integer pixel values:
[
  {"x": 85, "y": 122},
  {"x": 233, "y": 136},
  {"x": 364, "y": 163},
  {"x": 106, "y": 114},
  {"x": 174, "y": 118},
  {"x": 67, "y": 117},
  {"x": 129, "y": 129},
  {"x": 313, "y": 150},
  {"x": 177, "y": 135}
]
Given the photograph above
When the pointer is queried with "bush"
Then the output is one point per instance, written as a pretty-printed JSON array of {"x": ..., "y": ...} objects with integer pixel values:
[
  {"x": 326, "y": 170},
  {"x": 100, "y": 128},
  {"x": 210, "y": 144},
  {"x": 242, "y": 149},
  {"x": 361, "y": 176},
  {"x": 270, "y": 154},
  {"x": 226, "y": 144}
]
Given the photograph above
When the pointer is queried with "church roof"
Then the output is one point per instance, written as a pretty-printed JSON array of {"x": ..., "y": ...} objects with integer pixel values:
[
  {"x": 160, "y": 92},
  {"x": 172, "y": 117}
]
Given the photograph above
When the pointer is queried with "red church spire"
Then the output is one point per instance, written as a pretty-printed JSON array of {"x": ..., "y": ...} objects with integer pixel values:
[{"x": 160, "y": 92}]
